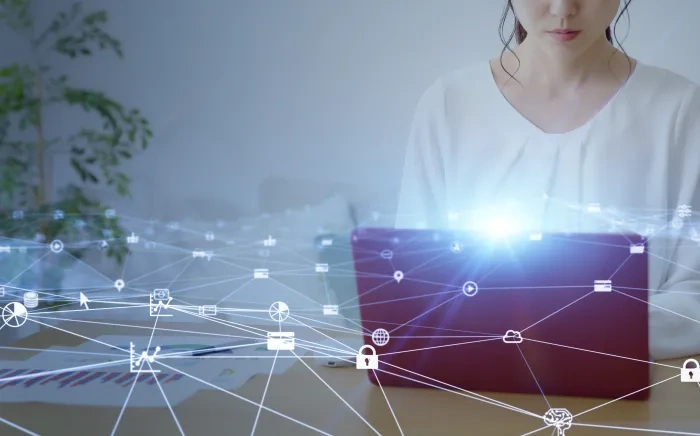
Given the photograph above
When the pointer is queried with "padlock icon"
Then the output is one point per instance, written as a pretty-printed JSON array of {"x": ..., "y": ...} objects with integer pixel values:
[
  {"x": 367, "y": 361},
  {"x": 690, "y": 373}
]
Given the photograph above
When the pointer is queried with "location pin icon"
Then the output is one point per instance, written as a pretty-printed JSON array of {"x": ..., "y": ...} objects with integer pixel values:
[
  {"x": 398, "y": 276},
  {"x": 119, "y": 284}
]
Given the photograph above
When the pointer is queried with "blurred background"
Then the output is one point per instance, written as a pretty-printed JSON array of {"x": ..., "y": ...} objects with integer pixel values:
[
  {"x": 322, "y": 90},
  {"x": 284, "y": 119}
]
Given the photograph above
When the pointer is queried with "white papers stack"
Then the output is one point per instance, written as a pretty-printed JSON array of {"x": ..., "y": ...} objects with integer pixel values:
[{"x": 99, "y": 372}]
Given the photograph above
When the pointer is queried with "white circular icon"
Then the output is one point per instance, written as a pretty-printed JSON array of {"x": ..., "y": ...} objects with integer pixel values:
[
  {"x": 119, "y": 284},
  {"x": 387, "y": 254},
  {"x": 380, "y": 337},
  {"x": 456, "y": 247},
  {"x": 470, "y": 289},
  {"x": 279, "y": 311},
  {"x": 56, "y": 246},
  {"x": 14, "y": 315}
]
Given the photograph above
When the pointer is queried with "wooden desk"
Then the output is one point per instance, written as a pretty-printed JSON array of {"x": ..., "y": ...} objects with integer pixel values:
[{"x": 301, "y": 394}]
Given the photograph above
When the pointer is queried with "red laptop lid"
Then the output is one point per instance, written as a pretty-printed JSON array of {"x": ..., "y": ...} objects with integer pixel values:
[{"x": 551, "y": 314}]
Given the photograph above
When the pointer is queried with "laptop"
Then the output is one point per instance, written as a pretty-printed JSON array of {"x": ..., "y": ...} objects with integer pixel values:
[{"x": 548, "y": 314}]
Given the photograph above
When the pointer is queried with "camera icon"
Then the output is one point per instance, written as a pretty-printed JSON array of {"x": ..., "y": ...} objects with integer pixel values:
[{"x": 161, "y": 294}]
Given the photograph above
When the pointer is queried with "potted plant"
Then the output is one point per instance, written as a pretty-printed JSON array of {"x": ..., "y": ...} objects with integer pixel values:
[{"x": 34, "y": 212}]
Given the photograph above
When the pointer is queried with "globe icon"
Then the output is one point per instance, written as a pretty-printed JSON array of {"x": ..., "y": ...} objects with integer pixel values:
[{"x": 380, "y": 337}]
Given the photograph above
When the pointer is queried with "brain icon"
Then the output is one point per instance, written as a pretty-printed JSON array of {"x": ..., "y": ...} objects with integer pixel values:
[{"x": 559, "y": 418}]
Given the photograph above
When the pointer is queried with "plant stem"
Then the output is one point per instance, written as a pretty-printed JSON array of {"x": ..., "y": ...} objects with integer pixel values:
[{"x": 40, "y": 144}]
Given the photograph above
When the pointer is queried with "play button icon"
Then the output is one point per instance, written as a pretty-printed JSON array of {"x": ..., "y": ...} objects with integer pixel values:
[
  {"x": 470, "y": 289},
  {"x": 57, "y": 246}
]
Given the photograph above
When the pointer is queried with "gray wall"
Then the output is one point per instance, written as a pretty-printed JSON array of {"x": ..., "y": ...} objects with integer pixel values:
[{"x": 325, "y": 89}]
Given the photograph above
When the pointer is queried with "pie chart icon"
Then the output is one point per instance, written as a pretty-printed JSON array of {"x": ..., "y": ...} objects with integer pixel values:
[
  {"x": 14, "y": 315},
  {"x": 279, "y": 311}
]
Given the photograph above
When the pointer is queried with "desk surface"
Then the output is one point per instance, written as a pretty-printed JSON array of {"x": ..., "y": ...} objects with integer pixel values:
[{"x": 341, "y": 401}]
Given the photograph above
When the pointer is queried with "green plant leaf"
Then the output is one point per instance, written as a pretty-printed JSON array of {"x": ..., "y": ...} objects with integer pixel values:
[
  {"x": 16, "y": 14},
  {"x": 95, "y": 153}
]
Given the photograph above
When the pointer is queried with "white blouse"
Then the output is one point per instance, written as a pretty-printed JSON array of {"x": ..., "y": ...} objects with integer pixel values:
[{"x": 639, "y": 159}]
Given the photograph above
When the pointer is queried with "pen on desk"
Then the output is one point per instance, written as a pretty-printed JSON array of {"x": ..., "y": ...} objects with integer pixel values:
[
  {"x": 224, "y": 348},
  {"x": 209, "y": 350}
]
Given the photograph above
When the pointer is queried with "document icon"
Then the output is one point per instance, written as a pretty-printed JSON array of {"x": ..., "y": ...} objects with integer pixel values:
[
  {"x": 261, "y": 273},
  {"x": 602, "y": 286},
  {"x": 636, "y": 248},
  {"x": 277, "y": 341},
  {"x": 330, "y": 309},
  {"x": 321, "y": 267}
]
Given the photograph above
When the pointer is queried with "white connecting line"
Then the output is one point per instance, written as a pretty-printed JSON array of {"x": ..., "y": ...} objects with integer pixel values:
[{"x": 342, "y": 349}]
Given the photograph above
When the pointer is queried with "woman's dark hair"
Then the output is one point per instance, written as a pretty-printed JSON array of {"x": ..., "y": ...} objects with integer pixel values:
[{"x": 519, "y": 32}]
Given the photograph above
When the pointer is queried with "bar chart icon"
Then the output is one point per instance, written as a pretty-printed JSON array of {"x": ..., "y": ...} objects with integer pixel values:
[{"x": 135, "y": 362}]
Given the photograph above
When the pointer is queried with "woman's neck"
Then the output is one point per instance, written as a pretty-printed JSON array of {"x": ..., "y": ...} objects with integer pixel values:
[{"x": 540, "y": 69}]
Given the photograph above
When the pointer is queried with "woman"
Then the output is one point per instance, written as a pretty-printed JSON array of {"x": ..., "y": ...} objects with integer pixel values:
[{"x": 564, "y": 120}]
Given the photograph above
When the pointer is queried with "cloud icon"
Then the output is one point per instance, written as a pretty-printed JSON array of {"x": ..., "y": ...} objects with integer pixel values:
[{"x": 512, "y": 337}]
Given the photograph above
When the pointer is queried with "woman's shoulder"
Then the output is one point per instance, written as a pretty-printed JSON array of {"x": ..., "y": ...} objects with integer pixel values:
[
  {"x": 664, "y": 83},
  {"x": 457, "y": 84},
  {"x": 671, "y": 93},
  {"x": 473, "y": 75}
]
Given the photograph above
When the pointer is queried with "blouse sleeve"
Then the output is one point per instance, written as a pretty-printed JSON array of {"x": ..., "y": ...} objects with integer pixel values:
[
  {"x": 422, "y": 195},
  {"x": 674, "y": 315}
]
